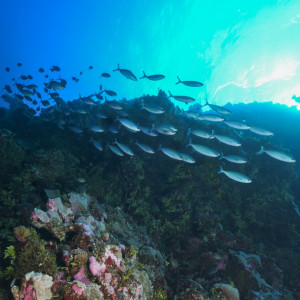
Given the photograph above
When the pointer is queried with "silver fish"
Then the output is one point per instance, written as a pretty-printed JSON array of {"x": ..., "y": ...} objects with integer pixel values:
[
  {"x": 145, "y": 148},
  {"x": 96, "y": 128},
  {"x": 184, "y": 99},
  {"x": 153, "y": 77},
  {"x": 235, "y": 176},
  {"x": 190, "y": 83},
  {"x": 237, "y": 125},
  {"x": 150, "y": 132},
  {"x": 116, "y": 150},
  {"x": 191, "y": 114},
  {"x": 114, "y": 105},
  {"x": 226, "y": 139},
  {"x": 124, "y": 148},
  {"x": 170, "y": 152},
  {"x": 101, "y": 115},
  {"x": 27, "y": 93},
  {"x": 278, "y": 155},
  {"x": 97, "y": 145},
  {"x": 152, "y": 108},
  {"x": 219, "y": 109},
  {"x": 127, "y": 73},
  {"x": 203, "y": 149},
  {"x": 187, "y": 158},
  {"x": 233, "y": 158},
  {"x": 128, "y": 124},
  {"x": 261, "y": 131},
  {"x": 210, "y": 118},
  {"x": 113, "y": 129},
  {"x": 200, "y": 133}
]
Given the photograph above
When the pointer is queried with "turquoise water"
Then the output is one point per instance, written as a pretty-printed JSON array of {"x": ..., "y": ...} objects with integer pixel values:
[{"x": 243, "y": 51}]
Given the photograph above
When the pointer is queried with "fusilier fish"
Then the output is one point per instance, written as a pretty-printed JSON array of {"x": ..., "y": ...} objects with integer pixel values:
[
  {"x": 97, "y": 145},
  {"x": 145, "y": 148},
  {"x": 128, "y": 124},
  {"x": 115, "y": 150},
  {"x": 190, "y": 83},
  {"x": 127, "y": 73},
  {"x": 203, "y": 149},
  {"x": 210, "y": 118},
  {"x": 148, "y": 131},
  {"x": 237, "y": 125},
  {"x": 233, "y": 158},
  {"x": 153, "y": 77},
  {"x": 219, "y": 109},
  {"x": 278, "y": 155},
  {"x": 187, "y": 158},
  {"x": 235, "y": 176},
  {"x": 226, "y": 139},
  {"x": 124, "y": 148},
  {"x": 184, "y": 99},
  {"x": 200, "y": 133},
  {"x": 152, "y": 108},
  {"x": 170, "y": 152},
  {"x": 261, "y": 131}
]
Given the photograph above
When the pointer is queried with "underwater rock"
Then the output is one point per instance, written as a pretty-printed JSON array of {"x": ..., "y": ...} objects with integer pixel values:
[
  {"x": 225, "y": 291},
  {"x": 42, "y": 285},
  {"x": 92, "y": 268}
]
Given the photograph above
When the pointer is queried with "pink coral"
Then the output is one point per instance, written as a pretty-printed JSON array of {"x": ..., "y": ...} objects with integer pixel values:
[
  {"x": 95, "y": 267},
  {"x": 30, "y": 293},
  {"x": 77, "y": 289},
  {"x": 34, "y": 217},
  {"x": 80, "y": 276}
]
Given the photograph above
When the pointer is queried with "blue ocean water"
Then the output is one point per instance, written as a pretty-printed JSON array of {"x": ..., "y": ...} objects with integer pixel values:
[{"x": 247, "y": 57}]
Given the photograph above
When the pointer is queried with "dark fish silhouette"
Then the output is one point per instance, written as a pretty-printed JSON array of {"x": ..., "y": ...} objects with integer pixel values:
[
  {"x": 19, "y": 64},
  {"x": 91, "y": 67},
  {"x": 105, "y": 75},
  {"x": 7, "y": 69},
  {"x": 153, "y": 77},
  {"x": 185, "y": 99},
  {"x": 8, "y": 89},
  {"x": 41, "y": 70},
  {"x": 110, "y": 93},
  {"x": 190, "y": 83},
  {"x": 127, "y": 73}
]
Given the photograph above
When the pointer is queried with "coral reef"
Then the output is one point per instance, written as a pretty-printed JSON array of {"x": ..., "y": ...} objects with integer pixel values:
[{"x": 96, "y": 267}]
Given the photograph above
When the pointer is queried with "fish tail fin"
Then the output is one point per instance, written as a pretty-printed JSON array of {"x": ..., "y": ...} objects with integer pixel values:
[
  {"x": 206, "y": 103},
  {"x": 221, "y": 170},
  {"x": 212, "y": 134},
  {"x": 221, "y": 156},
  {"x": 262, "y": 149},
  {"x": 144, "y": 76},
  {"x": 188, "y": 133},
  {"x": 178, "y": 80},
  {"x": 117, "y": 69},
  {"x": 189, "y": 143},
  {"x": 115, "y": 141},
  {"x": 170, "y": 94}
]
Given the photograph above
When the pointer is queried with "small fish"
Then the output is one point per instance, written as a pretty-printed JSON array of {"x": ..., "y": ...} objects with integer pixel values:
[
  {"x": 97, "y": 145},
  {"x": 233, "y": 158},
  {"x": 261, "y": 131},
  {"x": 113, "y": 129},
  {"x": 46, "y": 76},
  {"x": 277, "y": 155},
  {"x": 114, "y": 105},
  {"x": 55, "y": 68},
  {"x": 29, "y": 77},
  {"x": 54, "y": 95},
  {"x": 187, "y": 158},
  {"x": 219, "y": 109},
  {"x": 39, "y": 95},
  {"x": 46, "y": 90},
  {"x": 8, "y": 89},
  {"x": 91, "y": 67},
  {"x": 19, "y": 64},
  {"x": 199, "y": 133},
  {"x": 74, "y": 78},
  {"x": 145, "y": 148},
  {"x": 153, "y": 77},
  {"x": 226, "y": 139},
  {"x": 101, "y": 115},
  {"x": 34, "y": 102},
  {"x": 45, "y": 102},
  {"x": 124, "y": 148},
  {"x": 31, "y": 86},
  {"x": 210, "y": 118},
  {"x": 80, "y": 180},
  {"x": 96, "y": 128},
  {"x": 190, "y": 83},
  {"x": 41, "y": 70},
  {"x": 7, "y": 69},
  {"x": 20, "y": 97},
  {"x": 110, "y": 93},
  {"x": 150, "y": 132},
  {"x": 27, "y": 93},
  {"x": 23, "y": 77},
  {"x": 170, "y": 152},
  {"x": 128, "y": 124},
  {"x": 116, "y": 150},
  {"x": 80, "y": 73},
  {"x": 203, "y": 149},
  {"x": 184, "y": 99},
  {"x": 191, "y": 114},
  {"x": 105, "y": 75},
  {"x": 76, "y": 129},
  {"x": 235, "y": 176},
  {"x": 99, "y": 96},
  {"x": 127, "y": 73},
  {"x": 237, "y": 125},
  {"x": 152, "y": 108},
  {"x": 28, "y": 98},
  {"x": 122, "y": 113}
]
